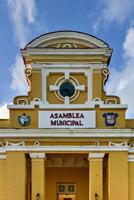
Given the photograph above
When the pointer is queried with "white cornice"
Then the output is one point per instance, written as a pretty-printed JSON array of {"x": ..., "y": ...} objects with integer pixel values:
[
  {"x": 67, "y": 133},
  {"x": 47, "y": 51},
  {"x": 88, "y": 105},
  {"x": 64, "y": 148},
  {"x": 96, "y": 66}
]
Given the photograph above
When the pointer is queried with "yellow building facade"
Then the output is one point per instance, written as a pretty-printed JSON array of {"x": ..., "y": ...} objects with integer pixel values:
[{"x": 67, "y": 139}]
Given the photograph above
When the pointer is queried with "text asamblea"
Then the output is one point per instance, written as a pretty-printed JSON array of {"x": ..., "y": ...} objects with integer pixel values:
[{"x": 66, "y": 119}]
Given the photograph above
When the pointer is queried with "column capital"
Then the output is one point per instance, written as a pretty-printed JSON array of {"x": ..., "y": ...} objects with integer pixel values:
[
  {"x": 3, "y": 156},
  {"x": 95, "y": 156},
  {"x": 37, "y": 155}
]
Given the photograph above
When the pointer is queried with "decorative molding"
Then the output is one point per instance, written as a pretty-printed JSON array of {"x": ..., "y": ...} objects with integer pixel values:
[
  {"x": 118, "y": 144},
  {"x": 66, "y": 52},
  {"x": 65, "y": 133},
  {"x": 88, "y": 105},
  {"x": 23, "y": 101},
  {"x": 67, "y": 45},
  {"x": 37, "y": 155},
  {"x": 28, "y": 72},
  {"x": 105, "y": 72},
  {"x": 107, "y": 101},
  {"x": 36, "y": 143},
  {"x": 94, "y": 66},
  {"x": 62, "y": 148},
  {"x": 95, "y": 155},
  {"x": 15, "y": 144}
]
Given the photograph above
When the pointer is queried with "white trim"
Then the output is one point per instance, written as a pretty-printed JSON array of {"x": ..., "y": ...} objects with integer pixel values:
[
  {"x": 37, "y": 155},
  {"x": 72, "y": 68},
  {"x": 80, "y": 87},
  {"x": 130, "y": 158},
  {"x": 67, "y": 133},
  {"x": 31, "y": 106},
  {"x": 95, "y": 66},
  {"x": 95, "y": 155},
  {"x": 88, "y": 105},
  {"x": 54, "y": 87},
  {"x": 82, "y": 52},
  {"x": 3, "y": 157},
  {"x": 63, "y": 148},
  {"x": 116, "y": 106},
  {"x": 67, "y": 34}
]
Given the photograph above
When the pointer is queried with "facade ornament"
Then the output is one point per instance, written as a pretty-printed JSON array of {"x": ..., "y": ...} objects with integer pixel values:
[
  {"x": 1, "y": 145},
  {"x": 22, "y": 143},
  {"x": 118, "y": 144},
  {"x": 67, "y": 45},
  {"x": 131, "y": 145},
  {"x": 36, "y": 143},
  {"x": 36, "y": 101},
  {"x": 22, "y": 101},
  {"x": 24, "y": 120},
  {"x": 28, "y": 72},
  {"x": 110, "y": 118},
  {"x": 105, "y": 72},
  {"x": 98, "y": 143},
  {"x": 111, "y": 101}
]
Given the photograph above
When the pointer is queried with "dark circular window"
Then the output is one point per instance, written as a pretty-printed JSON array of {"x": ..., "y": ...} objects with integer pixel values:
[{"x": 67, "y": 89}]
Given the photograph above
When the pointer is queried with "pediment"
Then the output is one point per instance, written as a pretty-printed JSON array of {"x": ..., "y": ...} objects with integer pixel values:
[{"x": 67, "y": 40}]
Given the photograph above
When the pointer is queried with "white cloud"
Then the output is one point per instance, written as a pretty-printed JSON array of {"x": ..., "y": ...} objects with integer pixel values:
[
  {"x": 112, "y": 10},
  {"x": 22, "y": 13},
  {"x": 117, "y": 9},
  {"x": 19, "y": 82},
  {"x": 122, "y": 82},
  {"x": 4, "y": 112}
]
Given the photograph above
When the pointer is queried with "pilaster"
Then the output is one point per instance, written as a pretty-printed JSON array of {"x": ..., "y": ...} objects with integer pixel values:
[
  {"x": 96, "y": 176},
  {"x": 38, "y": 175}
]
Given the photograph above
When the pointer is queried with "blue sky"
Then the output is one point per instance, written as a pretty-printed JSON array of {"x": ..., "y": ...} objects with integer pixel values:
[{"x": 110, "y": 20}]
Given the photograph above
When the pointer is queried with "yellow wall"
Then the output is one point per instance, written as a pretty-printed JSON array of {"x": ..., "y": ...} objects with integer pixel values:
[
  {"x": 120, "y": 120},
  {"x": 131, "y": 180},
  {"x": 36, "y": 90},
  {"x": 118, "y": 176},
  {"x": 97, "y": 84},
  {"x": 2, "y": 179},
  {"x": 33, "y": 113},
  {"x": 75, "y": 175},
  {"x": 16, "y": 176}
]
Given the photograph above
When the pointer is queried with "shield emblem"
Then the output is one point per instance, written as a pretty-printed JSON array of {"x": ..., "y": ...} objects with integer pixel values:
[
  {"x": 110, "y": 118},
  {"x": 24, "y": 120}
]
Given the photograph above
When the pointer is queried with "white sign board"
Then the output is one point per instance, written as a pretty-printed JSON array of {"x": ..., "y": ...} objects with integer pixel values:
[{"x": 67, "y": 119}]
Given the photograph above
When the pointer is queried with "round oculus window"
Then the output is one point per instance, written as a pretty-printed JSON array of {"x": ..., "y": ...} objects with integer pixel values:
[{"x": 67, "y": 89}]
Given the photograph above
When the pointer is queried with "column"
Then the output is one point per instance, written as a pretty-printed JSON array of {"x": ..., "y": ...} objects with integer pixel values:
[
  {"x": 96, "y": 176},
  {"x": 118, "y": 175},
  {"x": 3, "y": 176},
  {"x": 16, "y": 176},
  {"x": 38, "y": 175}
]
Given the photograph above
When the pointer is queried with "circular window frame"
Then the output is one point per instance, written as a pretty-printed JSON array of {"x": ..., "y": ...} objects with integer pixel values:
[{"x": 72, "y": 80}]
